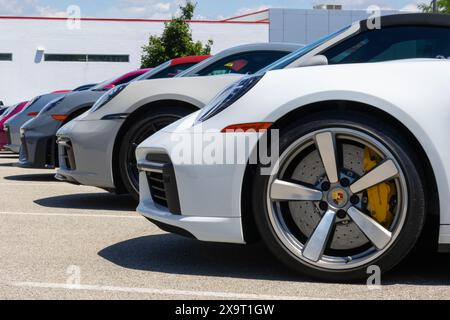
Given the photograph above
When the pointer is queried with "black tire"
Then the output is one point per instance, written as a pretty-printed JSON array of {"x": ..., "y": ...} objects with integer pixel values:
[
  {"x": 148, "y": 124},
  {"x": 406, "y": 157}
]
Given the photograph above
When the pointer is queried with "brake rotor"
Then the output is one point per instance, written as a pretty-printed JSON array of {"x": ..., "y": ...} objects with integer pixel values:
[{"x": 307, "y": 215}]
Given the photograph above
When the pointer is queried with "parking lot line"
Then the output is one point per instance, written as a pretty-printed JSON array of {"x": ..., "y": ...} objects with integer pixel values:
[
  {"x": 71, "y": 215},
  {"x": 168, "y": 292}
]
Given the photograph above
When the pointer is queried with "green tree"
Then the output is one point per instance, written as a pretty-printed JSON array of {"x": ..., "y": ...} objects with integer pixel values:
[
  {"x": 176, "y": 40},
  {"x": 442, "y": 5}
]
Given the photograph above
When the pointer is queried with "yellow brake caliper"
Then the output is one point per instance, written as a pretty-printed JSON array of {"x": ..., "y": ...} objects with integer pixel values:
[{"x": 378, "y": 196}]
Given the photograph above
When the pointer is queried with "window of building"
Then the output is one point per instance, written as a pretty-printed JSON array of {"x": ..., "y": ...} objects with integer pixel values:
[
  {"x": 66, "y": 57},
  {"x": 87, "y": 57},
  {"x": 108, "y": 58},
  {"x": 6, "y": 56}
]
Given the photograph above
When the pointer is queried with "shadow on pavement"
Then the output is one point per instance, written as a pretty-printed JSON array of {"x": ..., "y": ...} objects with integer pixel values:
[
  {"x": 424, "y": 265},
  {"x": 44, "y": 177},
  {"x": 177, "y": 255},
  {"x": 8, "y": 155},
  {"x": 6, "y": 164},
  {"x": 173, "y": 254},
  {"x": 90, "y": 201}
]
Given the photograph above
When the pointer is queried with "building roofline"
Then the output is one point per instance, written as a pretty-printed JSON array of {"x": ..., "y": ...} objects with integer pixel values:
[
  {"x": 129, "y": 20},
  {"x": 246, "y": 15}
]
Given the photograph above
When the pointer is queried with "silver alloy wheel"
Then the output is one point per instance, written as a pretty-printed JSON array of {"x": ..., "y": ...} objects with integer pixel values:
[{"x": 295, "y": 187}]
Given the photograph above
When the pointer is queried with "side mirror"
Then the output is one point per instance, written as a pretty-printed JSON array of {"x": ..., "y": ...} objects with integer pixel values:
[
  {"x": 319, "y": 60},
  {"x": 1, "y": 103}
]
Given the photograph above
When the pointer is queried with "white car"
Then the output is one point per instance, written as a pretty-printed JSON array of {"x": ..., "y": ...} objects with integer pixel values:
[
  {"x": 364, "y": 154},
  {"x": 98, "y": 148}
]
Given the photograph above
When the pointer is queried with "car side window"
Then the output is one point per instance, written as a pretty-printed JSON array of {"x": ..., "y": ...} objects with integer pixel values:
[
  {"x": 172, "y": 71},
  {"x": 243, "y": 63},
  {"x": 393, "y": 43}
]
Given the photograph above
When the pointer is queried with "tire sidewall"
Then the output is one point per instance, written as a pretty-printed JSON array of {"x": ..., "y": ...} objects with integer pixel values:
[
  {"x": 131, "y": 131},
  {"x": 406, "y": 158}
]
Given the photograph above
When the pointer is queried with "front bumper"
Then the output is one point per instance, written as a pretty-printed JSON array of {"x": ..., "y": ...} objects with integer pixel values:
[
  {"x": 13, "y": 138},
  {"x": 85, "y": 149},
  {"x": 37, "y": 151},
  {"x": 203, "y": 200},
  {"x": 3, "y": 139}
]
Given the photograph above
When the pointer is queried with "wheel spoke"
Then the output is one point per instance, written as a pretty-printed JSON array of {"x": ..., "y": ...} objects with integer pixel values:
[
  {"x": 315, "y": 246},
  {"x": 385, "y": 171},
  {"x": 327, "y": 148},
  {"x": 287, "y": 191},
  {"x": 374, "y": 231}
]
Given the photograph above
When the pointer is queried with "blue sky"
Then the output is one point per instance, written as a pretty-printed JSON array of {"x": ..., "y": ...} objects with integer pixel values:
[{"x": 207, "y": 9}]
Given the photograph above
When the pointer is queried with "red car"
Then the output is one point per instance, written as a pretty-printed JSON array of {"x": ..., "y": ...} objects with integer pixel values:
[{"x": 5, "y": 117}]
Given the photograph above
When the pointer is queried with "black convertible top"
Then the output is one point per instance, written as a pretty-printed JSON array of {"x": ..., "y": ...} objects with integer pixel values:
[{"x": 411, "y": 19}]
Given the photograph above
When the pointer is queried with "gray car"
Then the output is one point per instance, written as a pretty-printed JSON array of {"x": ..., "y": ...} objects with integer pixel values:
[
  {"x": 38, "y": 147},
  {"x": 12, "y": 126},
  {"x": 38, "y": 136},
  {"x": 101, "y": 152}
]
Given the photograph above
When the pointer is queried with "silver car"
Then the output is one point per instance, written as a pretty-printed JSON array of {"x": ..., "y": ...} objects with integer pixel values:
[
  {"x": 12, "y": 126},
  {"x": 98, "y": 148}
]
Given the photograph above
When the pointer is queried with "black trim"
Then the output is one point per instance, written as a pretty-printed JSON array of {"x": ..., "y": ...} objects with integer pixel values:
[
  {"x": 117, "y": 116},
  {"x": 64, "y": 178},
  {"x": 169, "y": 182},
  {"x": 152, "y": 166},
  {"x": 65, "y": 154},
  {"x": 43, "y": 155},
  {"x": 172, "y": 229},
  {"x": 410, "y": 19},
  {"x": 444, "y": 248}
]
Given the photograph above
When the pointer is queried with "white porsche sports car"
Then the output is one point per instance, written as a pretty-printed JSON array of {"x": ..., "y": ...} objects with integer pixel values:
[
  {"x": 363, "y": 159},
  {"x": 98, "y": 148}
]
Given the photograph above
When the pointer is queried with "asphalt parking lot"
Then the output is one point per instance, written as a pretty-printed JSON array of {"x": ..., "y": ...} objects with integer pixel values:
[{"x": 59, "y": 241}]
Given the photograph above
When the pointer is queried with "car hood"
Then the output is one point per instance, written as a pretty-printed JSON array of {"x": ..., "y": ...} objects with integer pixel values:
[
  {"x": 76, "y": 100},
  {"x": 196, "y": 91}
]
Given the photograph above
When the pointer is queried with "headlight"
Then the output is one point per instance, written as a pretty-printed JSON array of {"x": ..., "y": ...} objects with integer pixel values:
[
  {"x": 52, "y": 105},
  {"x": 228, "y": 96},
  {"x": 108, "y": 96}
]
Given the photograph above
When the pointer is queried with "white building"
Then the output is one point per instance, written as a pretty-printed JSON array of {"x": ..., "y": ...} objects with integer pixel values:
[{"x": 40, "y": 55}]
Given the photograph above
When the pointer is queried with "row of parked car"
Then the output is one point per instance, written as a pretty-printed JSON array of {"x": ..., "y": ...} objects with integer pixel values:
[{"x": 363, "y": 157}]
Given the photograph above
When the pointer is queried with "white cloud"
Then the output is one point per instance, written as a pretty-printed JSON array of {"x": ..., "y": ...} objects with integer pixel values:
[
  {"x": 47, "y": 11},
  {"x": 411, "y": 7},
  {"x": 150, "y": 9},
  {"x": 242, "y": 11},
  {"x": 28, "y": 7},
  {"x": 18, "y": 7}
]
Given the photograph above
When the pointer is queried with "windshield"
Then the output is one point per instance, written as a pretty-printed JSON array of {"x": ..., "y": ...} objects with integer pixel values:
[
  {"x": 152, "y": 72},
  {"x": 10, "y": 110},
  {"x": 287, "y": 60},
  {"x": 102, "y": 84},
  {"x": 188, "y": 72}
]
